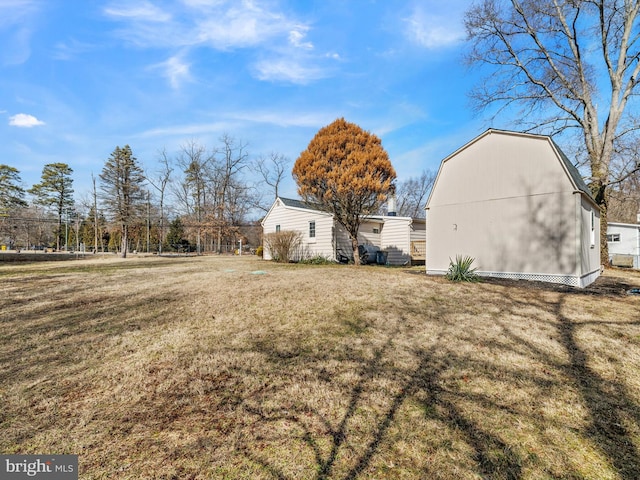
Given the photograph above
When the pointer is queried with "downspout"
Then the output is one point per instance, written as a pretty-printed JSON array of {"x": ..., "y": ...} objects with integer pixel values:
[
  {"x": 579, "y": 229},
  {"x": 638, "y": 250}
]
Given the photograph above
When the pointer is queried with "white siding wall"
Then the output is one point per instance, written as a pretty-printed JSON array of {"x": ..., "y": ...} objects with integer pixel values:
[
  {"x": 367, "y": 235},
  {"x": 629, "y": 243},
  {"x": 396, "y": 240},
  {"x": 392, "y": 234},
  {"x": 418, "y": 231},
  {"x": 298, "y": 219},
  {"x": 394, "y": 237}
]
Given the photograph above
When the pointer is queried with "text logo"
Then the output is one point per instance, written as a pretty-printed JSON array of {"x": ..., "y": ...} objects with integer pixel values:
[{"x": 49, "y": 467}]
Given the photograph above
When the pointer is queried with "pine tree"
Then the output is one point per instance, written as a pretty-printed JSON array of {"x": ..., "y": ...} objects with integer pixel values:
[
  {"x": 11, "y": 193},
  {"x": 55, "y": 191},
  {"x": 122, "y": 180}
]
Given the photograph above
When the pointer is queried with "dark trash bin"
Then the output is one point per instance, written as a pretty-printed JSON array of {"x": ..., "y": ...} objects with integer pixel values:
[
  {"x": 381, "y": 257},
  {"x": 368, "y": 253}
]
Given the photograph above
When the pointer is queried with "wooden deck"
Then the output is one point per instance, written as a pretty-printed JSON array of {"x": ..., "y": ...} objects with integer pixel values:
[{"x": 418, "y": 250}]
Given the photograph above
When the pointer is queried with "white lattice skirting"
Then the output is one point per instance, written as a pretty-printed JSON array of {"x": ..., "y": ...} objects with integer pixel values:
[{"x": 570, "y": 280}]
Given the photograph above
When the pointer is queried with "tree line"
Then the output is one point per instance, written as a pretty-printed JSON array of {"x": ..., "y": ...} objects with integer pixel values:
[{"x": 197, "y": 199}]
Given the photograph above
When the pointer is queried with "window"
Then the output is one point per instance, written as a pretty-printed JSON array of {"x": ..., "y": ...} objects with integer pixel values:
[
  {"x": 376, "y": 230},
  {"x": 613, "y": 237},
  {"x": 312, "y": 229},
  {"x": 277, "y": 228}
]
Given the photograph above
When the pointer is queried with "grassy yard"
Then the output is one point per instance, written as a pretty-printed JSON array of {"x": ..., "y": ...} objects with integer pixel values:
[{"x": 238, "y": 368}]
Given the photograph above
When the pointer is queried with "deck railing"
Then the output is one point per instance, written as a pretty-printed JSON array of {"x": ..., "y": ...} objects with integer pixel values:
[{"x": 419, "y": 250}]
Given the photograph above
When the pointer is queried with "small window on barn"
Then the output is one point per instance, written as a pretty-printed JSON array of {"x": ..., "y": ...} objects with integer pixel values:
[
  {"x": 312, "y": 229},
  {"x": 376, "y": 230},
  {"x": 277, "y": 228},
  {"x": 613, "y": 237}
]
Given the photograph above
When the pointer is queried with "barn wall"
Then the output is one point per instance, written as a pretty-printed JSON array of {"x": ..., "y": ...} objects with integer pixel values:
[
  {"x": 507, "y": 201},
  {"x": 533, "y": 235}
]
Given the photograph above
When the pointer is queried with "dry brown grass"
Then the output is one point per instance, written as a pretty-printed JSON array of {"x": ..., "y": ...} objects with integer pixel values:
[{"x": 200, "y": 368}]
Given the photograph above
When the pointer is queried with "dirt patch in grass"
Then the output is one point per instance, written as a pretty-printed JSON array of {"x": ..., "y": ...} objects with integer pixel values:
[{"x": 198, "y": 368}]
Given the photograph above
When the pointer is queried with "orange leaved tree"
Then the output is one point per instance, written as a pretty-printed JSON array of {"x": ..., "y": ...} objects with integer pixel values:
[{"x": 345, "y": 171}]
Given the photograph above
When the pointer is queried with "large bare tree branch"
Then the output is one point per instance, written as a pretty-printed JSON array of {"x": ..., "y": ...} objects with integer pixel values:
[{"x": 540, "y": 56}]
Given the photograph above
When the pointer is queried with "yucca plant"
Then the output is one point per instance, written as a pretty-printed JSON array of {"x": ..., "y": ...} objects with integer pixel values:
[{"x": 461, "y": 270}]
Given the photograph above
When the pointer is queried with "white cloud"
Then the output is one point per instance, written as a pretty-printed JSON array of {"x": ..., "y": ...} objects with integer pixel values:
[
  {"x": 287, "y": 70},
  {"x": 284, "y": 118},
  {"x": 24, "y": 120},
  {"x": 71, "y": 49},
  {"x": 187, "y": 130},
  {"x": 17, "y": 18},
  {"x": 224, "y": 25},
  {"x": 176, "y": 70},
  {"x": 141, "y": 11},
  {"x": 16, "y": 11},
  {"x": 241, "y": 24},
  {"x": 297, "y": 35},
  {"x": 433, "y": 30}
]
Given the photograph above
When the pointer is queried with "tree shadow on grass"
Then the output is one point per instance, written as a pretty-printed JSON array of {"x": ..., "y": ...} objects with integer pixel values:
[
  {"x": 494, "y": 458},
  {"x": 607, "y": 401}
]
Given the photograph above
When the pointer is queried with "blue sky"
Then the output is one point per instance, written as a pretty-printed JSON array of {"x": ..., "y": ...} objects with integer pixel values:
[{"x": 79, "y": 78}]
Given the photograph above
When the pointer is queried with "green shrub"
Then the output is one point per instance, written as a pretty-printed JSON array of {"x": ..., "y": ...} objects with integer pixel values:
[
  {"x": 461, "y": 271},
  {"x": 317, "y": 260}
]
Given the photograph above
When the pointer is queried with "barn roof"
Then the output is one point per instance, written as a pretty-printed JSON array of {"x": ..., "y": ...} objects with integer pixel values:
[
  {"x": 573, "y": 171},
  {"x": 570, "y": 168}
]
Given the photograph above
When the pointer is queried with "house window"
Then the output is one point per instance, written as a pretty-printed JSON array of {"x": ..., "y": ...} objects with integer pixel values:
[
  {"x": 312, "y": 229},
  {"x": 376, "y": 230},
  {"x": 613, "y": 237},
  {"x": 277, "y": 228}
]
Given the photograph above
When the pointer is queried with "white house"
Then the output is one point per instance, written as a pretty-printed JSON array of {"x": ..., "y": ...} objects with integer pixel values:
[
  {"x": 623, "y": 240},
  {"x": 516, "y": 204},
  {"x": 401, "y": 238}
]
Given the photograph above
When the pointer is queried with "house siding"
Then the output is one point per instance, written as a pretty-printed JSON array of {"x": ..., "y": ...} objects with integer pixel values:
[
  {"x": 629, "y": 243},
  {"x": 396, "y": 240},
  {"x": 298, "y": 219},
  {"x": 391, "y": 234}
]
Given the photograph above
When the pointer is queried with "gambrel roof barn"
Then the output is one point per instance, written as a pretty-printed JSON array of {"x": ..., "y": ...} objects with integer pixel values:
[{"x": 516, "y": 204}]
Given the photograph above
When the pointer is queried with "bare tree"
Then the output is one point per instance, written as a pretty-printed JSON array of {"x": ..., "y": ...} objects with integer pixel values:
[
  {"x": 411, "y": 194},
  {"x": 568, "y": 64},
  {"x": 159, "y": 181},
  {"x": 197, "y": 166},
  {"x": 272, "y": 170},
  {"x": 234, "y": 159}
]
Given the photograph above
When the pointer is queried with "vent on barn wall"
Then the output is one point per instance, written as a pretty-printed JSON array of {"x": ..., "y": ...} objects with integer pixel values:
[{"x": 391, "y": 205}]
